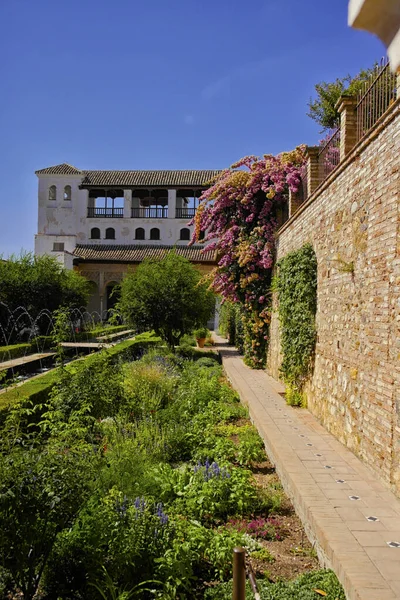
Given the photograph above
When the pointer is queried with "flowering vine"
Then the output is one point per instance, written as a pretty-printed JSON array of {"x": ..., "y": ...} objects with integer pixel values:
[{"x": 238, "y": 214}]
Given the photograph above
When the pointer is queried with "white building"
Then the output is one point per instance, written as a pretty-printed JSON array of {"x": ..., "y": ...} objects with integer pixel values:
[
  {"x": 381, "y": 17},
  {"x": 100, "y": 222}
]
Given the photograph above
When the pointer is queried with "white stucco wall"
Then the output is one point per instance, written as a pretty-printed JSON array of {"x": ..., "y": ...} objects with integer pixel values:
[
  {"x": 381, "y": 17},
  {"x": 44, "y": 243},
  {"x": 66, "y": 220}
]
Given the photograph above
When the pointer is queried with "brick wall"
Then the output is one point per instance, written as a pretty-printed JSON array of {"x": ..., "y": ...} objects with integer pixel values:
[{"x": 352, "y": 221}]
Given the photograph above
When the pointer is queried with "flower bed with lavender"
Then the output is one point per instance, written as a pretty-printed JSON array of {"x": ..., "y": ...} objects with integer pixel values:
[{"x": 138, "y": 479}]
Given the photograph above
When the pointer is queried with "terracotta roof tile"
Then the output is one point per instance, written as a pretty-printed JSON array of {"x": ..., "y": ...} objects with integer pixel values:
[
  {"x": 148, "y": 178},
  {"x": 137, "y": 253},
  {"x": 175, "y": 178},
  {"x": 63, "y": 169}
]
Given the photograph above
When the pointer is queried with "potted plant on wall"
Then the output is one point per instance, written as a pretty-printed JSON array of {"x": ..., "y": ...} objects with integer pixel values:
[{"x": 201, "y": 334}]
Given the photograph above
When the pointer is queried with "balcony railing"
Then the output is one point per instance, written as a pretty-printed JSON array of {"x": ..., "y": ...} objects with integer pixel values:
[
  {"x": 375, "y": 97},
  {"x": 108, "y": 213},
  {"x": 329, "y": 155},
  {"x": 185, "y": 213},
  {"x": 150, "y": 213}
]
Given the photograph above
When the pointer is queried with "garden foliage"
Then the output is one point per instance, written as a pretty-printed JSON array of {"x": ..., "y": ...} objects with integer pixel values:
[
  {"x": 231, "y": 324},
  {"x": 133, "y": 480},
  {"x": 167, "y": 296},
  {"x": 296, "y": 286},
  {"x": 239, "y": 215},
  {"x": 36, "y": 283},
  {"x": 323, "y": 108},
  {"x": 302, "y": 588}
]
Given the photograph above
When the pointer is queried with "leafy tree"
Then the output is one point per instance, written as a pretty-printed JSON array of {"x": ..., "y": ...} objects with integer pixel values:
[
  {"x": 167, "y": 296},
  {"x": 322, "y": 109},
  {"x": 37, "y": 283}
]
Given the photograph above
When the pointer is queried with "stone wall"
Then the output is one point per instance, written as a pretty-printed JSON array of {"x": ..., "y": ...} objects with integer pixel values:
[{"x": 352, "y": 221}]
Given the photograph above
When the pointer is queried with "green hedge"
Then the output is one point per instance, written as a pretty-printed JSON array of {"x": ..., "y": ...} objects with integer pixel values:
[
  {"x": 38, "y": 344},
  {"x": 38, "y": 389},
  {"x": 44, "y": 342},
  {"x": 14, "y": 351}
]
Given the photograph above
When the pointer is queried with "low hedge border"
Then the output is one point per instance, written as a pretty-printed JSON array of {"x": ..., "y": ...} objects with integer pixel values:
[
  {"x": 98, "y": 331},
  {"x": 14, "y": 351},
  {"x": 45, "y": 342},
  {"x": 37, "y": 344},
  {"x": 37, "y": 390}
]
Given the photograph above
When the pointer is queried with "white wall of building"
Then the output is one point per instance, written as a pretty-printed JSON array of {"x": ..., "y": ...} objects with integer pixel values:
[
  {"x": 66, "y": 221},
  {"x": 381, "y": 17},
  {"x": 125, "y": 230}
]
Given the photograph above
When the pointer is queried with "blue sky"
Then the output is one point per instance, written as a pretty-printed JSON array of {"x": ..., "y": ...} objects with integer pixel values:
[{"x": 184, "y": 84}]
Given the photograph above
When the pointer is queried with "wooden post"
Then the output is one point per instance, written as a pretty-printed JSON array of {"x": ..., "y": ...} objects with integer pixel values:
[{"x": 239, "y": 574}]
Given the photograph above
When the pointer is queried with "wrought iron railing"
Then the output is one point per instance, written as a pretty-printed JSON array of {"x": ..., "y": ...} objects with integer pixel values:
[
  {"x": 160, "y": 212},
  {"x": 375, "y": 97},
  {"x": 329, "y": 155},
  {"x": 185, "y": 213},
  {"x": 113, "y": 213}
]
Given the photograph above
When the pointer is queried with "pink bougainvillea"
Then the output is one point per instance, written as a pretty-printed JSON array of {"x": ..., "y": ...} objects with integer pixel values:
[{"x": 239, "y": 215}]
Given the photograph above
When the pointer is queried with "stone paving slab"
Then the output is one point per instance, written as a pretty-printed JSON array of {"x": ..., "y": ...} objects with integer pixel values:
[
  {"x": 94, "y": 345},
  {"x": 113, "y": 336},
  {"x": 24, "y": 360},
  {"x": 346, "y": 511}
]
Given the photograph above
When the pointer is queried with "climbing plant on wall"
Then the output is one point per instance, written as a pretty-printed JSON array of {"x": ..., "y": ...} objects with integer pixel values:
[
  {"x": 296, "y": 286},
  {"x": 239, "y": 212}
]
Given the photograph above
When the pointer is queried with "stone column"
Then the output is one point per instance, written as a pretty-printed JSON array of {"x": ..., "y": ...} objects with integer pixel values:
[
  {"x": 313, "y": 178},
  {"x": 127, "y": 203},
  {"x": 171, "y": 204},
  {"x": 90, "y": 202},
  {"x": 346, "y": 105},
  {"x": 295, "y": 200}
]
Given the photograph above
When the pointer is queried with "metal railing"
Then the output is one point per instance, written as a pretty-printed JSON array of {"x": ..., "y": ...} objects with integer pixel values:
[
  {"x": 160, "y": 212},
  {"x": 375, "y": 97},
  {"x": 185, "y": 213},
  {"x": 113, "y": 213},
  {"x": 329, "y": 156},
  {"x": 240, "y": 570}
]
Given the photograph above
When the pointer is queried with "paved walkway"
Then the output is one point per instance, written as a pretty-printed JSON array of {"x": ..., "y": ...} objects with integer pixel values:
[
  {"x": 351, "y": 517},
  {"x": 24, "y": 360}
]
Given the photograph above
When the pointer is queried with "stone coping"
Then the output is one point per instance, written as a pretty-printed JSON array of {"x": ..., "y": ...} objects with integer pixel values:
[{"x": 352, "y": 518}]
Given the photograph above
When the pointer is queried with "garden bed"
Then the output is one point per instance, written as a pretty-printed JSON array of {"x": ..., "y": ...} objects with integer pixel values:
[
  {"x": 292, "y": 554},
  {"x": 38, "y": 389},
  {"x": 139, "y": 478}
]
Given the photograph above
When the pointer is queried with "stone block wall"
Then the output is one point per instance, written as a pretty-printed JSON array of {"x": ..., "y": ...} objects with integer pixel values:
[{"x": 352, "y": 221}]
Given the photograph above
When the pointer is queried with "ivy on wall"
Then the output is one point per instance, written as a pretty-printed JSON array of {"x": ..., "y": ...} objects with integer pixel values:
[{"x": 296, "y": 286}]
